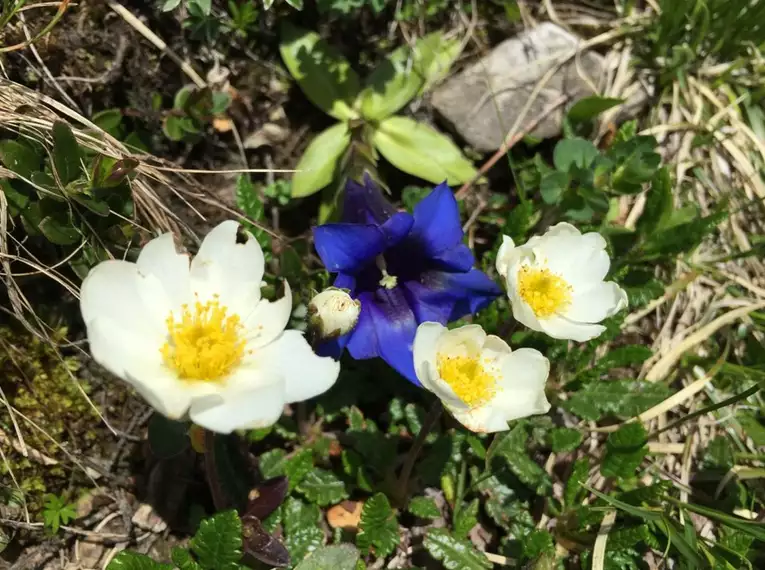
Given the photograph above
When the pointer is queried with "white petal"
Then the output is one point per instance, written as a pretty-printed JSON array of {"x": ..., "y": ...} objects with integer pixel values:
[
  {"x": 522, "y": 312},
  {"x": 424, "y": 353},
  {"x": 585, "y": 263},
  {"x": 562, "y": 229},
  {"x": 462, "y": 341},
  {"x": 485, "y": 419},
  {"x": 493, "y": 352},
  {"x": 160, "y": 258},
  {"x": 237, "y": 407},
  {"x": 268, "y": 319},
  {"x": 562, "y": 328},
  {"x": 505, "y": 255},
  {"x": 598, "y": 303},
  {"x": 305, "y": 374},
  {"x": 136, "y": 358},
  {"x": 231, "y": 270},
  {"x": 526, "y": 369},
  {"x": 117, "y": 290}
]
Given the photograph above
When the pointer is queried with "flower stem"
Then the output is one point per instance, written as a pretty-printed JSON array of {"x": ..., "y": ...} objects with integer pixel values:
[
  {"x": 434, "y": 414},
  {"x": 213, "y": 477}
]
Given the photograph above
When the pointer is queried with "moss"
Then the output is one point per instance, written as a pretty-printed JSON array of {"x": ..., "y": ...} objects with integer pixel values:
[{"x": 42, "y": 385}]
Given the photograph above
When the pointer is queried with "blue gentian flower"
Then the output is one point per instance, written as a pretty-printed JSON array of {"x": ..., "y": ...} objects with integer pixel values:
[{"x": 405, "y": 269}]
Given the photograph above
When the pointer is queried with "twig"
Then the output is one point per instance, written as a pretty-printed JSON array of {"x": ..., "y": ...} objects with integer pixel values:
[
  {"x": 510, "y": 142},
  {"x": 100, "y": 536}
]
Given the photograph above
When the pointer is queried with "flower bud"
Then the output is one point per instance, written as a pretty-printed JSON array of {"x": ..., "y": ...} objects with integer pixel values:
[{"x": 333, "y": 313}]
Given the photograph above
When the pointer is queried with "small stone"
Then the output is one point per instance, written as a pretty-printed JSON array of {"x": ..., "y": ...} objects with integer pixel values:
[
  {"x": 483, "y": 102},
  {"x": 146, "y": 518}
]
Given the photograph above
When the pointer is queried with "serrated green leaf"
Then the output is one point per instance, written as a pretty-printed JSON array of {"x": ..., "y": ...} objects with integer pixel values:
[
  {"x": 301, "y": 526},
  {"x": 627, "y": 537},
  {"x": 590, "y": 107},
  {"x": 620, "y": 398},
  {"x": 625, "y": 450},
  {"x": 719, "y": 453},
  {"x": 295, "y": 466},
  {"x": 378, "y": 526},
  {"x": 683, "y": 237},
  {"x": 420, "y": 150},
  {"x": 317, "y": 167},
  {"x": 658, "y": 205},
  {"x": 127, "y": 560},
  {"x": 511, "y": 446},
  {"x": 624, "y": 356},
  {"x": 565, "y": 439},
  {"x": 466, "y": 519},
  {"x": 217, "y": 543},
  {"x": 322, "y": 487},
  {"x": 454, "y": 553},
  {"x": 574, "y": 490},
  {"x": 574, "y": 152},
  {"x": 323, "y": 74},
  {"x": 537, "y": 543},
  {"x": 167, "y": 438},
  {"x": 424, "y": 507},
  {"x": 183, "y": 559},
  {"x": 66, "y": 153},
  {"x": 335, "y": 557},
  {"x": 19, "y": 158}
]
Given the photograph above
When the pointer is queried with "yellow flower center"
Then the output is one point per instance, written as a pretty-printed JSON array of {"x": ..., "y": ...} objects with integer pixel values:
[
  {"x": 205, "y": 343},
  {"x": 544, "y": 291},
  {"x": 468, "y": 378}
]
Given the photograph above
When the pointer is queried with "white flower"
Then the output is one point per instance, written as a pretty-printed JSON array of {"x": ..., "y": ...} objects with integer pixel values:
[
  {"x": 333, "y": 313},
  {"x": 479, "y": 379},
  {"x": 555, "y": 283},
  {"x": 195, "y": 338}
]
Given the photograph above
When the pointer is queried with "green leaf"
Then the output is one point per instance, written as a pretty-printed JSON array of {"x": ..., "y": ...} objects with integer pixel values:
[
  {"x": 19, "y": 158},
  {"x": 658, "y": 205},
  {"x": 621, "y": 398},
  {"x": 170, "y": 5},
  {"x": 574, "y": 490},
  {"x": 319, "y": 162},
  {"x": 403, "y": 74},
  {"x": 323, "y": 74},
  {"x": 565, "y": 439},
  {"x": 624, "y": 356},
  {"x": 536, "y": 543},
  {"x": 424, "y": 508},
  {"x": 322, "y": 487},
  {"x": 378, "y": 526},
  {"x": 172, "y": 126},
  {"x": 511, "y": 446},
  {"x": 552, "y": 186},
  {"x": 301, "y": 526},
  {"x": 335, "y": 557},
  {"x": 683, "y": 237},
  {"x": 454, "y": 553},
  {"x": 420, "y": 150},
  {"x": 295, "y": 467},
  {"x": 58, "y": 232},
  {"x": 247, "y": 198},
  {"x": 167, "y": 438},
  {"x": 183, "y": 559},
  {"x": 66, "y": 153},
  {"x": 126, "y": 560},
  {"x": 466, "y": 519},
  {"x": 108, "y": 120},
  {"x": 590, "y": 107},
  {"x": 719, "y": 453},
  {"x": 625, "y": 450},
  {"x": 218, "y": 542},
  {"x": 574, "y": 152}
]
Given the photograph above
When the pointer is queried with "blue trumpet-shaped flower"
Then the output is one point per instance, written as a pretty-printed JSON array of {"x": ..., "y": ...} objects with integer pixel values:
[{"x": 405, "y": 269}]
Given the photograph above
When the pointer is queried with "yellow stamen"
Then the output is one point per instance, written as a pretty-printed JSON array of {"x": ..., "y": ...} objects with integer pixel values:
[
  {"x": 468, "y": 378},
  {"x": 206, "y": 344},
  {"x": 544, "y": 291}
]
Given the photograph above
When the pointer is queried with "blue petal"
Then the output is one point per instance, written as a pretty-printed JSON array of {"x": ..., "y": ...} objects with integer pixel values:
[
  {"x": 333, "y": 347},
  {"x": 345, "y": 281},
  {"x": 472, "y": 290},
  {"x": 395, "y": 326},
  {"x": 434, "y": 305},
  {"x": 437, "y": 223},
  {"x": 397, "y": 227},
  {"x": 459, "y": 258},
  {"x": 348, "y": 247},
  {"x": 362, "y": 343},
  {"x": 365, "y": 204}
]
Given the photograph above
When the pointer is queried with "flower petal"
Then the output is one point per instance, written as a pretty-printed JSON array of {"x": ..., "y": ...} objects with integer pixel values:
[
  {"x": 305, "y": 374},
  {"x": 395, "y": 327},
  {"x": 236, "y": 407},
  {"x": 397, "y": 227},
  {"x": 348, "y": 247},
  {"x": 365, "y": 203},
  {"x": 160, "y": 258},
  {"x": 429, "y": 304},
  {"x": 476, "y": 291},
  {"x": 563, "y": 328},
  {"x": 437, "y": 226},
  {"x": 268, "y": 319},
  {"x": 424, "y": 353},
  {"x": 116, "y": 289},
  {"x": 507, "y": 255},
  {"x": 458, "y": 258},
  {"x": 362, "y": 343},
  {"x": 600, "y": 302},
  {"x": 232, "y": 271}
]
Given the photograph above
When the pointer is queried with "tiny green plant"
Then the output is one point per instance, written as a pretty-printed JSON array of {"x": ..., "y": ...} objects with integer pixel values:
[
  {"x": 368, "y": 123},
  {"x": 193, "y": 109},
  {"x": 57, "y": 511}
]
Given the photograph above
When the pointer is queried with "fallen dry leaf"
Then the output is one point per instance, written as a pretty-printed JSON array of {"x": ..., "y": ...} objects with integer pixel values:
[{"x": 346, "y": 515}]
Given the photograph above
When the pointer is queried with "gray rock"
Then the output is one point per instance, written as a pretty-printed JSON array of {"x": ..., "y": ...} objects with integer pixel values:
[{"x": 483, "y": 102}]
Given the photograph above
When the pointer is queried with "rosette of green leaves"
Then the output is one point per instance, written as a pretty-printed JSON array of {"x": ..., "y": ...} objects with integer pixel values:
[{"x": 366, "y": 110}]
